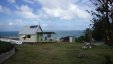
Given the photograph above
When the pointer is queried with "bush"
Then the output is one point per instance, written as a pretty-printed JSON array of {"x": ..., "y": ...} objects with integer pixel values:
[
  {"x": 5, "y": 46},
  {"x": 80, "y": 39}
]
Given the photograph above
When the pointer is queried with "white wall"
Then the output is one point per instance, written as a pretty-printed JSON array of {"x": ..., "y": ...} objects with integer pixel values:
[
  {"x": 39, "y": 37},
  {"x": 71, "y": 39},
  {"x": 32, "y": 39}
]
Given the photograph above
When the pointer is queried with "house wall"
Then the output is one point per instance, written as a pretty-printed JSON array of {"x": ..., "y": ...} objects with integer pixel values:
[
  {"x": 48, "y": 38},
  {"x": 32, "y": 39},
  {"x": 39, "y": 37}
]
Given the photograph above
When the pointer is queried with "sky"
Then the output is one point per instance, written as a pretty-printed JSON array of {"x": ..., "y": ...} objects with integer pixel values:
[{"x": 50, "y": 14}]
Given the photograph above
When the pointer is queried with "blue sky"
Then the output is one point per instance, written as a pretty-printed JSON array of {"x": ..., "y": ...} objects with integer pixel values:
[{"x": 50, "y": 14}]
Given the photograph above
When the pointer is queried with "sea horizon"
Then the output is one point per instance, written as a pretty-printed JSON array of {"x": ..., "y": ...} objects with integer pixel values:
[{"x": 59, "y": 33}]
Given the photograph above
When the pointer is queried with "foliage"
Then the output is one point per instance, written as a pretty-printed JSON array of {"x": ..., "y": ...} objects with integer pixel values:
[
  {"x": 80, "y": 39},
  {"x": 88, "y": 35},
  {"x": 98, "y": 35},
  {"x": 64, "y": 39},
  {"x": 103, "y": 20},
  {"x": 5, "y": 46}
]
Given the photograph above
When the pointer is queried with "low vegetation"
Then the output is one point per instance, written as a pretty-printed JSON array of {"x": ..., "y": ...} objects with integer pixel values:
[
  {"x": 5, "y": 46},
  {"x": 80, "y": 39},
  {"x": 60, "y": 53}
]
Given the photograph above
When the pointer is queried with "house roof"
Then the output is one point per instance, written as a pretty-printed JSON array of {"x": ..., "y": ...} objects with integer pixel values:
[{"x": 33, "y": 29}]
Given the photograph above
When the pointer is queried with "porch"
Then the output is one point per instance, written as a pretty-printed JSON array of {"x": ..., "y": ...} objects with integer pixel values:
[{"x": 45, "y": 37}]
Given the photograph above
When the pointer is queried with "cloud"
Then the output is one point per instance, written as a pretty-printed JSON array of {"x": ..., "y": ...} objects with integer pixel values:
[
  {"x": 11, "y": 24},
  {"x": 1, "y": 8},
  {"x": 29, "y": 1},
  {"x": 23, "y": 11},
  {"x": 5, "y": 10},
  {"x": 12, "y": 1},
  {"x": 44, "y": 25},
  {"x": 52, "y": 14},
  {"x": 63, "y": 9},
  {"x": 72, "y": 12},
  {"x": 26, "y": 12},
  {"x": 16, "y": 22}
]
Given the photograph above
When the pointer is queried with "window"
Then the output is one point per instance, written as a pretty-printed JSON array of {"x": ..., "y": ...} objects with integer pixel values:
[
  {"x": 28, "y": 36},
  {"x": 49, "y": 35}
]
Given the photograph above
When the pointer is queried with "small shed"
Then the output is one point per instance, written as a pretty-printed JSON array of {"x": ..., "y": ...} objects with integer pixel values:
[{"x": 70, "y": 39}]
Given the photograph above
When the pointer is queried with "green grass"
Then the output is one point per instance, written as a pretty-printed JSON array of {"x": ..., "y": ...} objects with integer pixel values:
[{"x": 59, "y": 53}]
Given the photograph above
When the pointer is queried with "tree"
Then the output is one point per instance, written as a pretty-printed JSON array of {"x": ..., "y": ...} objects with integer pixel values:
[
  {"x": 103, "y": 20},
  {"x": 98, "y": 31},
  {"x": 80, "y": 39},
  {"x": 88, "y": 35}
]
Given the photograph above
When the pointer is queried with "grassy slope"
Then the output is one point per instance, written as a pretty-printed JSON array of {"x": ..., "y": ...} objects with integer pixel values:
[{"x": 58, "y": 53}]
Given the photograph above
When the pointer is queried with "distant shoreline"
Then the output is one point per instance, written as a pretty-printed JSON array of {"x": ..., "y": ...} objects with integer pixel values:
[{"x": 59, "y": 34}]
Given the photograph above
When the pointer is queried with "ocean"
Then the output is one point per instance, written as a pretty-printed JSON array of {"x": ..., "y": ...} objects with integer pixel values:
[{"x": 58, "y": 34}]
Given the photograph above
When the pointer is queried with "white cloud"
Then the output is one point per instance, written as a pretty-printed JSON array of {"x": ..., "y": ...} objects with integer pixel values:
[
  {"x": 55, "y": 3},
  {"x": 44, "y": 25},
  {"x": 10, "y": 23},
  {"x": 1, "y": 8},
  {"x": 71, "y": 12},
  {"x": 26, "y": 12},
  {"x": 12, "y": 1},
  {"x": 14, "y": 22},
  {"x": 63, "y": 9},
  {"x": 29, "y": 1},
  {"x": 5, "y": 10}
]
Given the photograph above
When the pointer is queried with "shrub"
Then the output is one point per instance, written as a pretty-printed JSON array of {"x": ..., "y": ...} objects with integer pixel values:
[
  {"x": 80, "y": 39},
  {"x": 5, "y": 46}
]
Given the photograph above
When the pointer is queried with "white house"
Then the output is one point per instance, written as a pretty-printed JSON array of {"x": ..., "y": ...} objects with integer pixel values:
[
  {"x": 29, "y": 34},
  {"x": 34, "y": 34}
]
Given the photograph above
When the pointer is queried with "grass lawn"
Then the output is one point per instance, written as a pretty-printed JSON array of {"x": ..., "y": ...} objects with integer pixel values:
[{"x": 59, "y": 53}]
